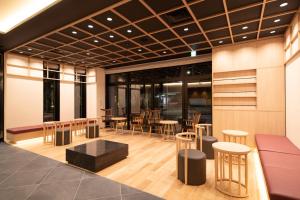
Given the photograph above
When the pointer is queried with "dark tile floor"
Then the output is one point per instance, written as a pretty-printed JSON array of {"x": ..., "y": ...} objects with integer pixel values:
[{"x": 25, "y": 175}]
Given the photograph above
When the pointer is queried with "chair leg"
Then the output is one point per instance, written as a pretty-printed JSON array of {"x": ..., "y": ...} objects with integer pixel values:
[{"x": 150, "y": 129}]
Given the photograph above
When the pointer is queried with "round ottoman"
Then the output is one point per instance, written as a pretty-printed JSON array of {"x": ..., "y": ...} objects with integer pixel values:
[
  {"x": 207, "y": 142},
  {"x": 196, "y": 167}
]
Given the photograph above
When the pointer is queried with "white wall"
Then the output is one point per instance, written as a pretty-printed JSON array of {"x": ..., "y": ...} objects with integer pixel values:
[
  {"x": 67, "y": 107},
  {"x": 293, "y": 100},
  {"x": 23, "y": 96},
  {"x": 91, "y": 94}
]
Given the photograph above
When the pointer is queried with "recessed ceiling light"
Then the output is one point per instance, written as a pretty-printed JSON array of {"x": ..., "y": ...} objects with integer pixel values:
[
  {"x": 90, "y": 26},
  {"x": 129, "y": 31},
  {"x": 245, "y": 27},
  {"x": 96, "y": 41},
  {"x": 139, "y": 50},
  {"x": 186, "y": 29},
  {"x": 164, "y": 52},
  {"x": 277, "y": 20},
  {"x": 82, "y": 61},
  {"x": 284, "y": 4},
  {"x": 114, "y": 61},
  {"x": 29, "y": 49},
  {"x": 42, "y": 56},
  {"x": 59, "y": 60},
  {"x": 111, "y": 36},
  {"x": 244, "y": 37},
  {"x": 74, "y": 32},
  {"x": 188, "y": 72},
  {"x": 221, "y": 42},
  {"x": 109, "y": 19},
  {"x": 21, "y": 52},
  {"x": 273, "y": 32},
  {"x": 88, "y": 54}
]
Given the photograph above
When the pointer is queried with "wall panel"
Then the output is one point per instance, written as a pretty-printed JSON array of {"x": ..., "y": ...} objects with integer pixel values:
[{"x": 267, "y": 115}]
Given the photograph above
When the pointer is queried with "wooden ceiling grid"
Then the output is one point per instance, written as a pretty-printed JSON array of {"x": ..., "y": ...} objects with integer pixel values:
[{"x": 112, "y": 48}]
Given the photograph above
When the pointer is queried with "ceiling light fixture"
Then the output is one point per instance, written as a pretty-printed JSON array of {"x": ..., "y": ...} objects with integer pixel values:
[
  {"x": 88, "y": 54},
  {"x": 139, "y": 50},
  {"x": 109, "y": 19},
  {"x": 29, "y": 49},
  {"x": 111, "y": 36},
  {"x": 284, "y": 4},
  {"x": 90, "y": 26},
  {"x": 114, "y": 61},
  {"x": 164, "y": 52},
  {"x": 186, "y": 29},
  {"x": 74, "y": 32},
  {"x": 129, "y": 31},
  {"x": 273, "y": 32},
  {"x": 277, "y": 20},
  {"x": 245, "y": 27},
  {"x": 193, "y": 53},
  {"x": 221, "y": 42},
  {"x": 21, "y": 52},
  {"x": 96, "y": 41},
  {"x": 244, "y": 37},
  {"x": 16, "y": 13}
]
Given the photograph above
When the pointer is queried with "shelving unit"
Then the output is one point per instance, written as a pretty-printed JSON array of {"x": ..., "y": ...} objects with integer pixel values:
[{"x": 235, "y": 89}]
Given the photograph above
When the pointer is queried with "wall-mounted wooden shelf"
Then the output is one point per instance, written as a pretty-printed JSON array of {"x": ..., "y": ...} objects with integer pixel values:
[{"x": 235, "y": 89}]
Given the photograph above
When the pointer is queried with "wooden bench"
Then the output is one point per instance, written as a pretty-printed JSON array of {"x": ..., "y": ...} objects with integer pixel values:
[
  {"x": 280, "y": 160},
  {"x": 23, "y": 133},
  {"x": 27, "y": 132}
]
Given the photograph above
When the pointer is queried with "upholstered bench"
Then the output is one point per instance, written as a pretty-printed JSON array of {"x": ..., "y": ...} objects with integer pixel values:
[
  {"x": 280, "y": 160},
  {"x": 25, "y": 132}
]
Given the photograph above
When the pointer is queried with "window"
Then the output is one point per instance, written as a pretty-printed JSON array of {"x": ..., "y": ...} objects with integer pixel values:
[
  {"x": 80, "y": 93},
  {"x": 51, "y": 92}
]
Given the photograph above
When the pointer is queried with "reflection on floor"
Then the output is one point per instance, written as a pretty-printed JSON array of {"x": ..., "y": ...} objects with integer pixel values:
[
  {"x": 151, "y": 167},
  {"x": 26, "y": 175}
]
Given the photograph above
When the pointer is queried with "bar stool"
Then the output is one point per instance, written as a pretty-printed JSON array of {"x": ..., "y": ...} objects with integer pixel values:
[{"x": 225, "y": 182}]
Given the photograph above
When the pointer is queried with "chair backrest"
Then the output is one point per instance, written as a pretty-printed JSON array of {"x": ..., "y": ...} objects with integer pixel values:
[
  {"x": 48, "y": 126},
  {"x": 154, "y": 114},
  {"x": 196, "y": 117},
  {"x": 107, "y": 112},
  {"x": 138, "y": 118},
  {"x": 199, "y": 132},
  {"x": 63, "y": 125},
  {"x": 206, "y": 128}
]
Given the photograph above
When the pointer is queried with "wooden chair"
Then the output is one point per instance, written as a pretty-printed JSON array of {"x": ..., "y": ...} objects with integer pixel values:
[
  {"x": 190, "y": 124},
  {"x": 78, "y": 126},
  {"x": 190, "y": 163},
  {"x": 49, "y": 132},
  {"x": 63, "y": 133},
  {"x": 153, "y": 121},
  {"x": 92, "y": 128},
  {"x": 106, "y": 118},
  {"x": 137, "y": 122}
]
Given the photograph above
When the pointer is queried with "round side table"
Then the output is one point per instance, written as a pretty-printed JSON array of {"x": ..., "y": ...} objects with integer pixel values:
[
  {"x": 168, "y": 127},
  {"x": 228, "y": 181},
  {"x": 235, "y": 136}
]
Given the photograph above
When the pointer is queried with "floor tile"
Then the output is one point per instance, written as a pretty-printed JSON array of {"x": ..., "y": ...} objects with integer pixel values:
[
  {"x": 16, "y": 193},
  {"x": 22, "y": 178},
  {"x": 93, "y": 188},
  {"x": 140, "y": 196},
  {"x": 63, "y": 173},
  {"x": 55, "y": 191},
  {"x": 40, "y": 162}
]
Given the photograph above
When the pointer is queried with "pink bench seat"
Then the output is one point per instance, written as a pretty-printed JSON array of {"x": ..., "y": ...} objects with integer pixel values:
[{"x": 24, "y": 129}]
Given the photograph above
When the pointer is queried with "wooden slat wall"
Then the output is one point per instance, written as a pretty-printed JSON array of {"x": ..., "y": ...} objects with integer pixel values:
[{"x": 268, "y": 116}]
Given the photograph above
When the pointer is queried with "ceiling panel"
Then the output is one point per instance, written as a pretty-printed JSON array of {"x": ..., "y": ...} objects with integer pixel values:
[{"x": 130, "y": 33}]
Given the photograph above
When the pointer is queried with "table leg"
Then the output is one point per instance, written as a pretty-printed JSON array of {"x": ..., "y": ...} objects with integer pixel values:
[
  {"x": 230, "y": 171},
  {"x": 216, "y": 167},
  {"x": 239, "y": 173}
]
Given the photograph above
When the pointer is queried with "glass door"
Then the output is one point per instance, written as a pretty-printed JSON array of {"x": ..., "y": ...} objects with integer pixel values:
[
  {"x": 117, "y": 96},
  {"x": 171, "y": 101}
]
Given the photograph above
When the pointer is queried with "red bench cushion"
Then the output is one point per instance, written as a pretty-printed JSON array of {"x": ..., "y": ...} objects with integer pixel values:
[
  {"x": 275, "y": 143},
  {"x": 24, "y": 129},
  {"x": 281, "y": 160},
  {"x": 283, "y": 183}
]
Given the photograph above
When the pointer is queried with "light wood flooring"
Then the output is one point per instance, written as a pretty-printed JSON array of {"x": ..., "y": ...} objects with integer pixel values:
[{"x": 151, "y": 167}]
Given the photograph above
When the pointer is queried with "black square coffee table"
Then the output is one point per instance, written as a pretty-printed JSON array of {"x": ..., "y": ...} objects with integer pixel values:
[{"x": 97, "y": 155}]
